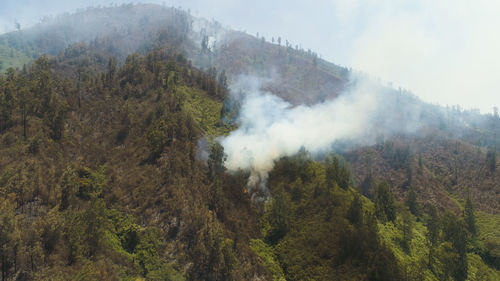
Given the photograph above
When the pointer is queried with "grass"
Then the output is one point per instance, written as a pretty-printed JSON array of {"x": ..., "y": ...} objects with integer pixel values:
[
  {"x": 10, "y": 57},
  {"x": 268, "y": 258},
  {"x": 392, "y": 236},
  {"x": 479, "y": 271},
  {"x": 488, "y": 239},
  {"x": 489, "y": 234},
  {"x": 205, "y": 111},
  {"x": 488, "y": 226}
]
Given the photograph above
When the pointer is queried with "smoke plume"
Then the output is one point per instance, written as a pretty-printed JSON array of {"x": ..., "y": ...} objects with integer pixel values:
[{"x": 270, "y": 128}]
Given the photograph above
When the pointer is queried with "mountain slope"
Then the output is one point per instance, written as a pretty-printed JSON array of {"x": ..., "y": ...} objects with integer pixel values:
[
  {"x": 109, "y": 160},
  {"x": 104, "y": 181},
  {"x": 139, "y": 28}
]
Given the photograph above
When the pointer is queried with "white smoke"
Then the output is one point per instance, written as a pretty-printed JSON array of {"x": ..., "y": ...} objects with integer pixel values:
[{"x": 270, "y": 128}]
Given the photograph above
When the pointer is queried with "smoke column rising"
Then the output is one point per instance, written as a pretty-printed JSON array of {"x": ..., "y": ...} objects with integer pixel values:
[{"x": 270, "y": 128}]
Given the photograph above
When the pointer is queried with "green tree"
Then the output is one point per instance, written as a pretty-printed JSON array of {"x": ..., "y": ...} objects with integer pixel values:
[
  {"x": 222, "y": 86},
  {"x": 407, "y": 228},
  {"x": 91, "y": 183},
  {"x": 157, "y": 138},
  {"x": 385, "y": 208},
  {"x": 69, "y": 188},
  {"x": 355, "y": 212},
  {"x": 111, "y": 70},
  {"x": 42, "y": 85},
  {"x": 368, "y": 186},
  {"x": 49, "y": 105},
  {"x": 6, "y": 101},
  {"x": 455, "y": 231},
  {"x": 55, "y": 118},
  {"x": 8, "y": 235},
  {"x": 216, "y": 160},
  {"x": 25, "y": 105},
  {"x": 279, "y": 217},
  {"x": 213, "y": 256},
  {"x": 337, "y": 173},
  {"x": 433, "y": 227},
  {"x": 469, "y": 217},
  {"x": 149, "y": 260},
  {"x": 491, "y": 159},
  {"x": 96, "y": 223},
  {"x": 17, "y": 95},
  {"x": 446, "y": 259},
  {"x": 411, "y": 201}
]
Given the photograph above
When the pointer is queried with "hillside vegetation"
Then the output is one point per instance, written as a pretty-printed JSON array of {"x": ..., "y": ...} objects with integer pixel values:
[
  {"x": 111, "y": 169},
  {"x": 122, "y": 30},
  {"x": 103, "y": 182}
]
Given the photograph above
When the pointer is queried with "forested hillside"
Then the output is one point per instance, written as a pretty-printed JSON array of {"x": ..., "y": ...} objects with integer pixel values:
[
  {"x": 100, "y": 178},
  {"x": 131, "y": 28},
  {"x": 111, "y": 165}
]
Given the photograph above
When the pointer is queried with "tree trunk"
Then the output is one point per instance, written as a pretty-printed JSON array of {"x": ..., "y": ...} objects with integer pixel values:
[
  {"x": 32, "y": 264},
  {"x": 15, "y": 258},
  {"x": 24, "y": 122},
  {"x": 4, "y": 268}
]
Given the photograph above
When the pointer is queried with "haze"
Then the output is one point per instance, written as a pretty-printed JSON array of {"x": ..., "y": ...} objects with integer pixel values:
[{"x": 445, "y": 51}]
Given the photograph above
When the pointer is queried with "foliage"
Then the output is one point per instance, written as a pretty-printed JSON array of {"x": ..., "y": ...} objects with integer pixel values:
[
  {"x": 102, "y": 170},
  {"x": 385, "y": 208},
  {"x": 411, "y": 202},
  {"x": 268, "y": 258},
  {"x": 469, "y": 217},
  {"x": 100, "y": 179},
  {"x": 398, "y": 156},
  {"x": 454, "y": 231},
  {"x": 10, "y": 57},
  {"x": 488, "y": 228},
  {"x": 320, "y": 230},
  {"x": 491, "y": 159}
]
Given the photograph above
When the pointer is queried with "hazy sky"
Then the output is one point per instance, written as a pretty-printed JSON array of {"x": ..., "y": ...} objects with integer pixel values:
[{"x": 445, "y": 51}]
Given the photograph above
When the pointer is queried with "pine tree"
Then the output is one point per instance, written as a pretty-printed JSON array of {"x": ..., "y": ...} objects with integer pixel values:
[
  {"x": 385, "y": 209},
  {"x": 432, "y": 234},
  {"x": 469, "y": 217},
  {"x": 491, "y": 159},
  {"x": 216, "y": 160},
  {"x": 455, "y": 232},
  {"x": 407, "y": 227},
  {"x": 411, "y": 201},
  {"x": 355, "y": 212}
]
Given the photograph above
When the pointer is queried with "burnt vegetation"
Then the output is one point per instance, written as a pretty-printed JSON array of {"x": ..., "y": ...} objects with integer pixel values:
[
  {"x": 101, "y": 176},
  {"x": 103, "y": 179}
]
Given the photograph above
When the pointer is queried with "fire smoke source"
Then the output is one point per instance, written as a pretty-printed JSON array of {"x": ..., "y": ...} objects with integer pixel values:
[{"x": 270, "y": 128}]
